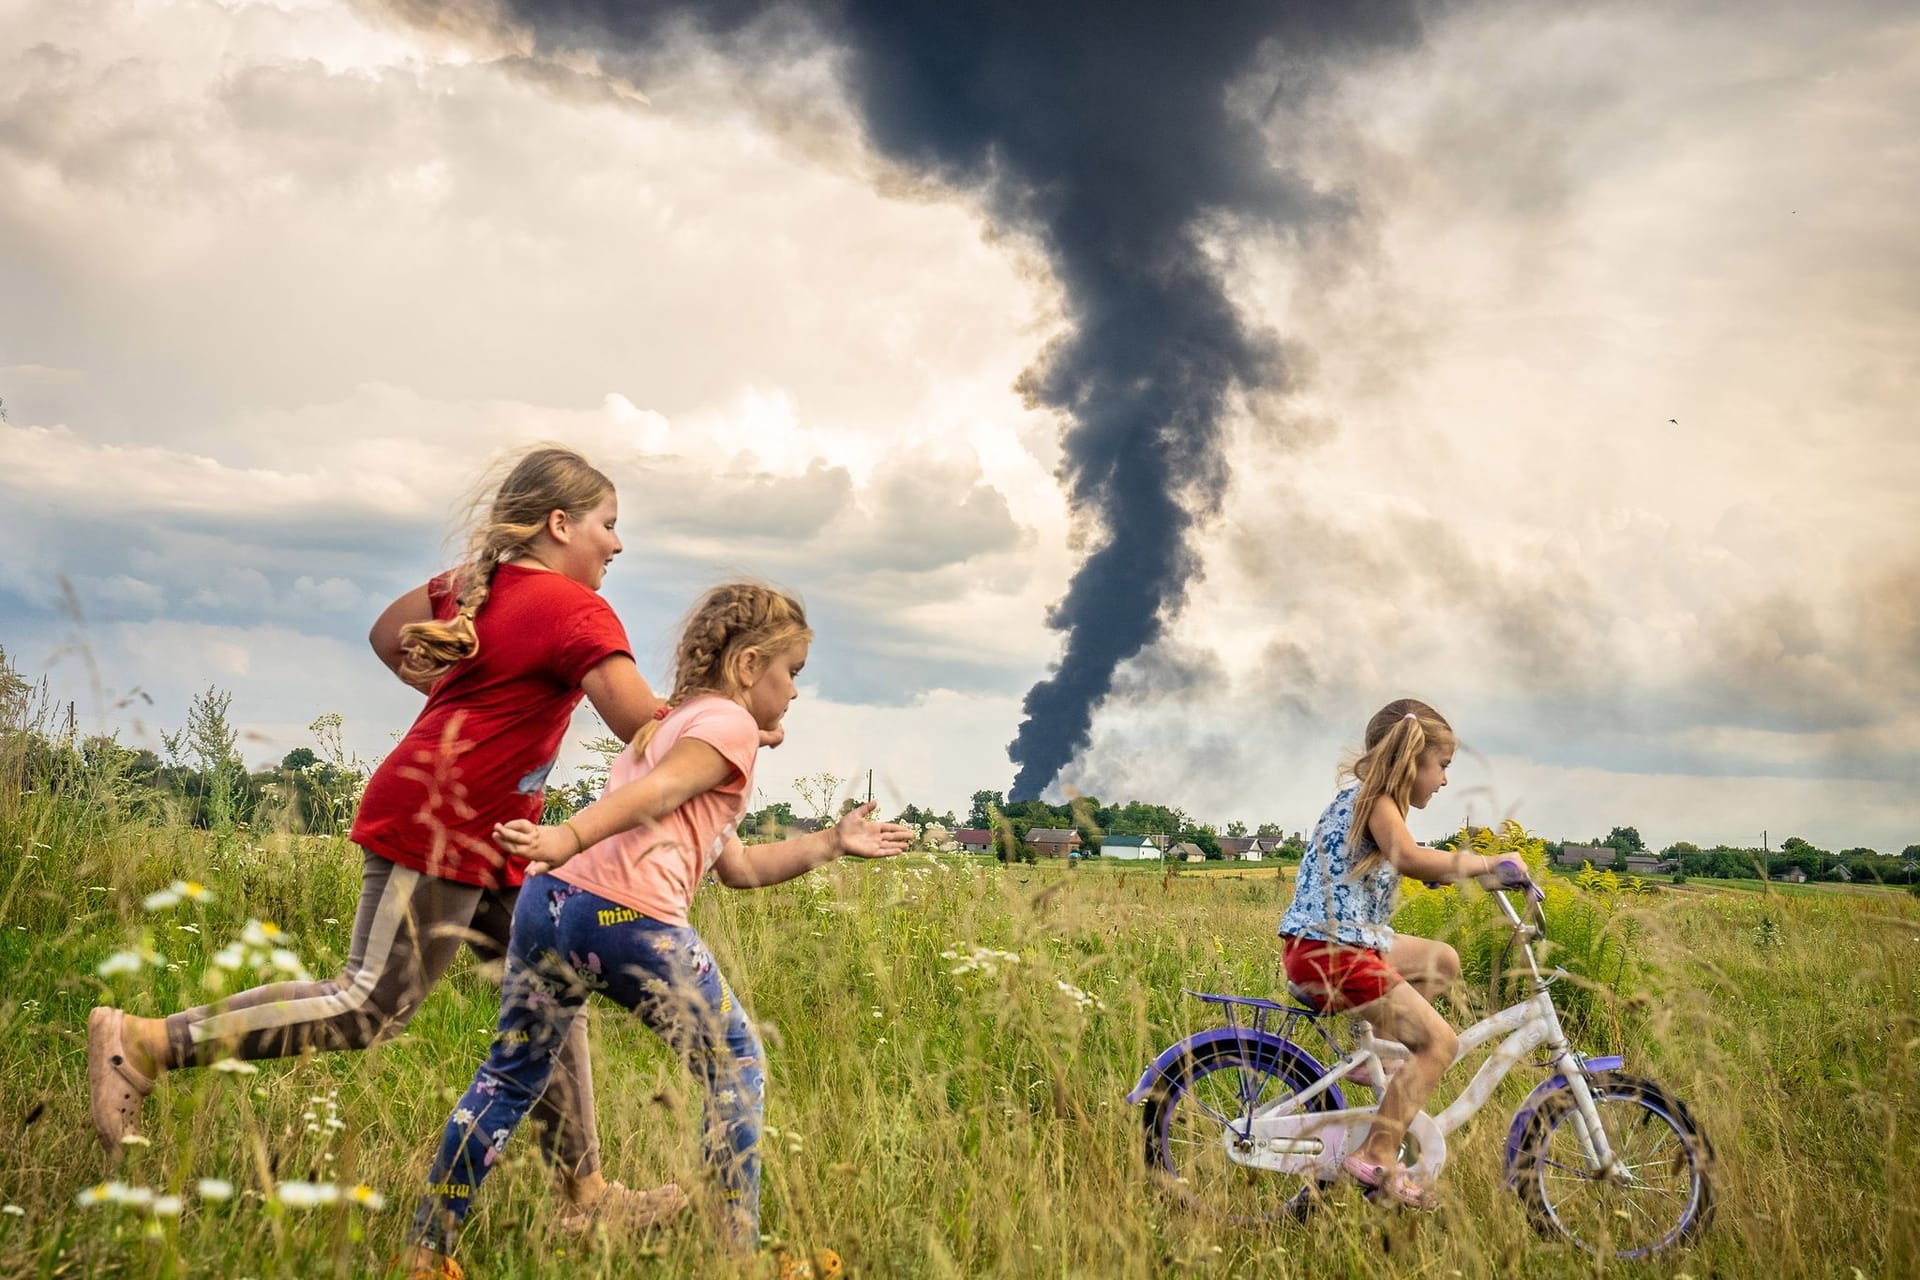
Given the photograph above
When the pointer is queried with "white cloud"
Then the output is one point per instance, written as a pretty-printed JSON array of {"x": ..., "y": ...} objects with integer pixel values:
[{"x": 285, "y": 277}]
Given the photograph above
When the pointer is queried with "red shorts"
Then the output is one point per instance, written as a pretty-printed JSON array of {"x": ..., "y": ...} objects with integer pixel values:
[{"x": 1337, "y": 977}]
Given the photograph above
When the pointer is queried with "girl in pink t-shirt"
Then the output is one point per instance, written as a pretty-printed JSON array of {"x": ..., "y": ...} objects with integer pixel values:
[{"x": 608, "y": 911}]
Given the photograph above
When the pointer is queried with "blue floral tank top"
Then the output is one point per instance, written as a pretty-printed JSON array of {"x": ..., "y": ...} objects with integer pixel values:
[{"x": 1329, "y": 904}]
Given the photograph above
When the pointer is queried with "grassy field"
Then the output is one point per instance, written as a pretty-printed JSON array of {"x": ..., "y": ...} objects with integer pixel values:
[{"x": 925, "y": 1122}]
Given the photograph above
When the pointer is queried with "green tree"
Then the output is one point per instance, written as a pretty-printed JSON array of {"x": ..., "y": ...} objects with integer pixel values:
[
  {"x": 1625, "y": 839},
  {"x": 207, "y": 744},
  {"x": 1272, "y": 829},
  {"x": 1236, "y": 829},
  {"x": 986, "y": 804}
]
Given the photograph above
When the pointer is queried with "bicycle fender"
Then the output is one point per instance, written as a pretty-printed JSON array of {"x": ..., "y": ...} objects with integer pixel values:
[
  {"x": 1167, "y": 1065},
  {"x": 1524, "y": 1116}
]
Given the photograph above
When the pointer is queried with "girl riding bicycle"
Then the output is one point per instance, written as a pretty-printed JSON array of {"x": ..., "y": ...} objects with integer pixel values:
[{"x": 1340, "y": 951}]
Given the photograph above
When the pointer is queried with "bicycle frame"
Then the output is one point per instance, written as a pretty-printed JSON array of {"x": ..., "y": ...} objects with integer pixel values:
[{"x": 1286, "y": 1137}]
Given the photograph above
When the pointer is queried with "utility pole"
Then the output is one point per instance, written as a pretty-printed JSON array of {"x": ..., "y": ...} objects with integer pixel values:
[{"x": 869, "y": 786}]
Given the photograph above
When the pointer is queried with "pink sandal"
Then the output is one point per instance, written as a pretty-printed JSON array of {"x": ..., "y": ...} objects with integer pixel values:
[
  {"x": 115, "y": 1090},
  {"x": 1389, "y": 1180}
]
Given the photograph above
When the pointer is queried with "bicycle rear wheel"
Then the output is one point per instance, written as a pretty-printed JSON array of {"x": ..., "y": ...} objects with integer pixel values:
[
  {"x": 1199, "y": 1110},
  {"x": 1661, "y": 1194}
]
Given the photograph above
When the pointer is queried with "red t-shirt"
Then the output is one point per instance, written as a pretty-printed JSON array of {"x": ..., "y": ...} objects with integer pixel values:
[{"x": 482, "y": 747}]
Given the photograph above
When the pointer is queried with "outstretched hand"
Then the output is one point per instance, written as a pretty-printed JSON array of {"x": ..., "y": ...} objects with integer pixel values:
[{"x": 862, "y": 837}]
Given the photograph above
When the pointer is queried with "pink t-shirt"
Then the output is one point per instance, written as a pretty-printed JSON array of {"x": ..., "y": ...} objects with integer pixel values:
[{"x": 655, "y": 868}]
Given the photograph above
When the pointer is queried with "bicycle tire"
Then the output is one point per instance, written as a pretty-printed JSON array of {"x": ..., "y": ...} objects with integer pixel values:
[
  {"x": 1669, "y": 1200},
  {"x": 1183, "y": 1118}
]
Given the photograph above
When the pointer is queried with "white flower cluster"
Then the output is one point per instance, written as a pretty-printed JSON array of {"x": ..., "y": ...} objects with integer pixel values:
[
  {"x": 260, "y": 950},
  {"x": 132, "y": 960},
  {"x": 321, "y": 1195},
  {"x": 333, "y": 1123},
  {"x": 1084, "y": 1000},
  {"x": 176, "y": 893},
  {"x": 977, "y": 959}
]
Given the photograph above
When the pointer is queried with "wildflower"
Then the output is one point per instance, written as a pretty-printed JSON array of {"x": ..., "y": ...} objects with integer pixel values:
[
  {"x": 234, "y": 1066},
  {"x": 176, "y": 893},
  {"x": 367, "y": 1198},
  {"x": 213, "y": 1189},
  {"x": 1080, "y": 998},
  {"x": 260, "y": 933},
  {"x": 134, "y": 1140},
  {"x": 307, "y": 1195},
  {"x": 166, "y": 1206},
  {"x": 13, "y": 1210},
  {"x": 129, "y": 961}
]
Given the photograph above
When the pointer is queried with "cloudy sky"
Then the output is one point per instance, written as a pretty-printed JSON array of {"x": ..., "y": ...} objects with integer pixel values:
[{"x": 1599, "y": 432}]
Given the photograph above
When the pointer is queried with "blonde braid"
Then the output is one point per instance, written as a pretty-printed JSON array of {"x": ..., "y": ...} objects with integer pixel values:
[{"x": 730, "y": 621}]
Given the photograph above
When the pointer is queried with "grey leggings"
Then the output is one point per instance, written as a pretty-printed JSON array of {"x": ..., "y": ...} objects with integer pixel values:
[{"x": 404, "y": 937}]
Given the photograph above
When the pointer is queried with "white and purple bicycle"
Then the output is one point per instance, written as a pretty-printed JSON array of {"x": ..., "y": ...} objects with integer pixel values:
[{"x": 1247, "y": 1123}]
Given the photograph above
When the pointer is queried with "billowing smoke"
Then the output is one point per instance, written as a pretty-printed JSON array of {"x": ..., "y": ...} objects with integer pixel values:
[{"x": 1119, "y": 135}]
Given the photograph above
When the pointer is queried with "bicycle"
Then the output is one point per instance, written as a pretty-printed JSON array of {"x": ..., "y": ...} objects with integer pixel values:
[{"x": 1248, "y": 1123}]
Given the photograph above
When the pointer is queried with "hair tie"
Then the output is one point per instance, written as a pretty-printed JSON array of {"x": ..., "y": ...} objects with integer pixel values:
[
  {"x": 660, "y": 712},
  {"x": 1410, "y": 716}
]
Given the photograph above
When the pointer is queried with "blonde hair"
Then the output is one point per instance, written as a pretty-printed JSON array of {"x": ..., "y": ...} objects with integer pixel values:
[
  {"x": 1397, "y": 736},
  {"x": 503, "y": 523},
  {"x": 730, "y": 622}
]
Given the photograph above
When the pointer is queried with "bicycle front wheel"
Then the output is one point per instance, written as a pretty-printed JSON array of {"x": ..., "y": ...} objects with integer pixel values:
[
  {"x": 1194, "y": 1119},
  {"x": 1658, "y": 1193}
]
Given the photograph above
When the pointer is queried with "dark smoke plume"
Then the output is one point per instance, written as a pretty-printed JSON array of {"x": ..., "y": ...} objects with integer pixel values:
[{"x": 1103, "y": 128}]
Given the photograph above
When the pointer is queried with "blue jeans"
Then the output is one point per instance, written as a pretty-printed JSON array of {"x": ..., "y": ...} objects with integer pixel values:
[{"x": 566, "y": 943}]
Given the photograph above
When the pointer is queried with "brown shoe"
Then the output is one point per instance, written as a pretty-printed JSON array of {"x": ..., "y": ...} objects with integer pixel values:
[
  {"x": 621, "y": 1208},
  {"x": 114, "y": 1089}
]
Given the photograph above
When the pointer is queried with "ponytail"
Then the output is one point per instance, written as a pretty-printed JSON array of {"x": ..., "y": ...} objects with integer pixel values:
[
  {"x": 1397, "y": 736},
  {"x": 501, "y": 526}
]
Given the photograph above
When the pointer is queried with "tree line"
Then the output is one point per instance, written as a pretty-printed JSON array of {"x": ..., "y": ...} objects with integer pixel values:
[{"x": 198, "y": 778}]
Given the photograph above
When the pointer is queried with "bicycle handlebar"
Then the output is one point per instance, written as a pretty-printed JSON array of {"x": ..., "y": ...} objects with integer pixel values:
[{"x": 1511, "y": 873}]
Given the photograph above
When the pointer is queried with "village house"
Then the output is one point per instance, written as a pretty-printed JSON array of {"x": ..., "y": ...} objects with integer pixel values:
[
  {"x": 1795, "y": 875},
  {"x": 974, "y": 840},
  {"x": 1248, "y": 848},
  {"x": 935, "y": 836},
  {"x": 1054, "y": 842},
  {"x": 1186, "y": 851},
  {"x": 1572, "y": 855},
  {"x": 1132, "y": 848}
]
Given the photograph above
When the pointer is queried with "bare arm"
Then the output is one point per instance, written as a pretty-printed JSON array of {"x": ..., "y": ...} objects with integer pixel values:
[
  {"x": 690, "y": 768},
  {"x": 1415, "y": 860},
  {"x": 856, "y": 833},
  {"x": 621, "y": 695},
  {"x": 626, "y": 701},
  {"x": 415, "y": 606}
]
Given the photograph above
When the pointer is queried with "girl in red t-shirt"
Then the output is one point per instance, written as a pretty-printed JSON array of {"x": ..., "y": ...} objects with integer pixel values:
[
  {"x": 503, "y": 647},
  {"x": 609, "y": 914}
]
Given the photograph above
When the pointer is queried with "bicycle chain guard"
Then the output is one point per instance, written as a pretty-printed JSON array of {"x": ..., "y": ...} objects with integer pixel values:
[{"x": 1311, "y": 1144}]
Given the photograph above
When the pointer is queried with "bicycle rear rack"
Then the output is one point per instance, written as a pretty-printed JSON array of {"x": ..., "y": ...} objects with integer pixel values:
[{"x": 1267, "y": 1017}]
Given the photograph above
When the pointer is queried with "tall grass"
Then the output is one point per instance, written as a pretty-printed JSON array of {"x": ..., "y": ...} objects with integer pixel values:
[{"x": 922, "y": 1121}]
